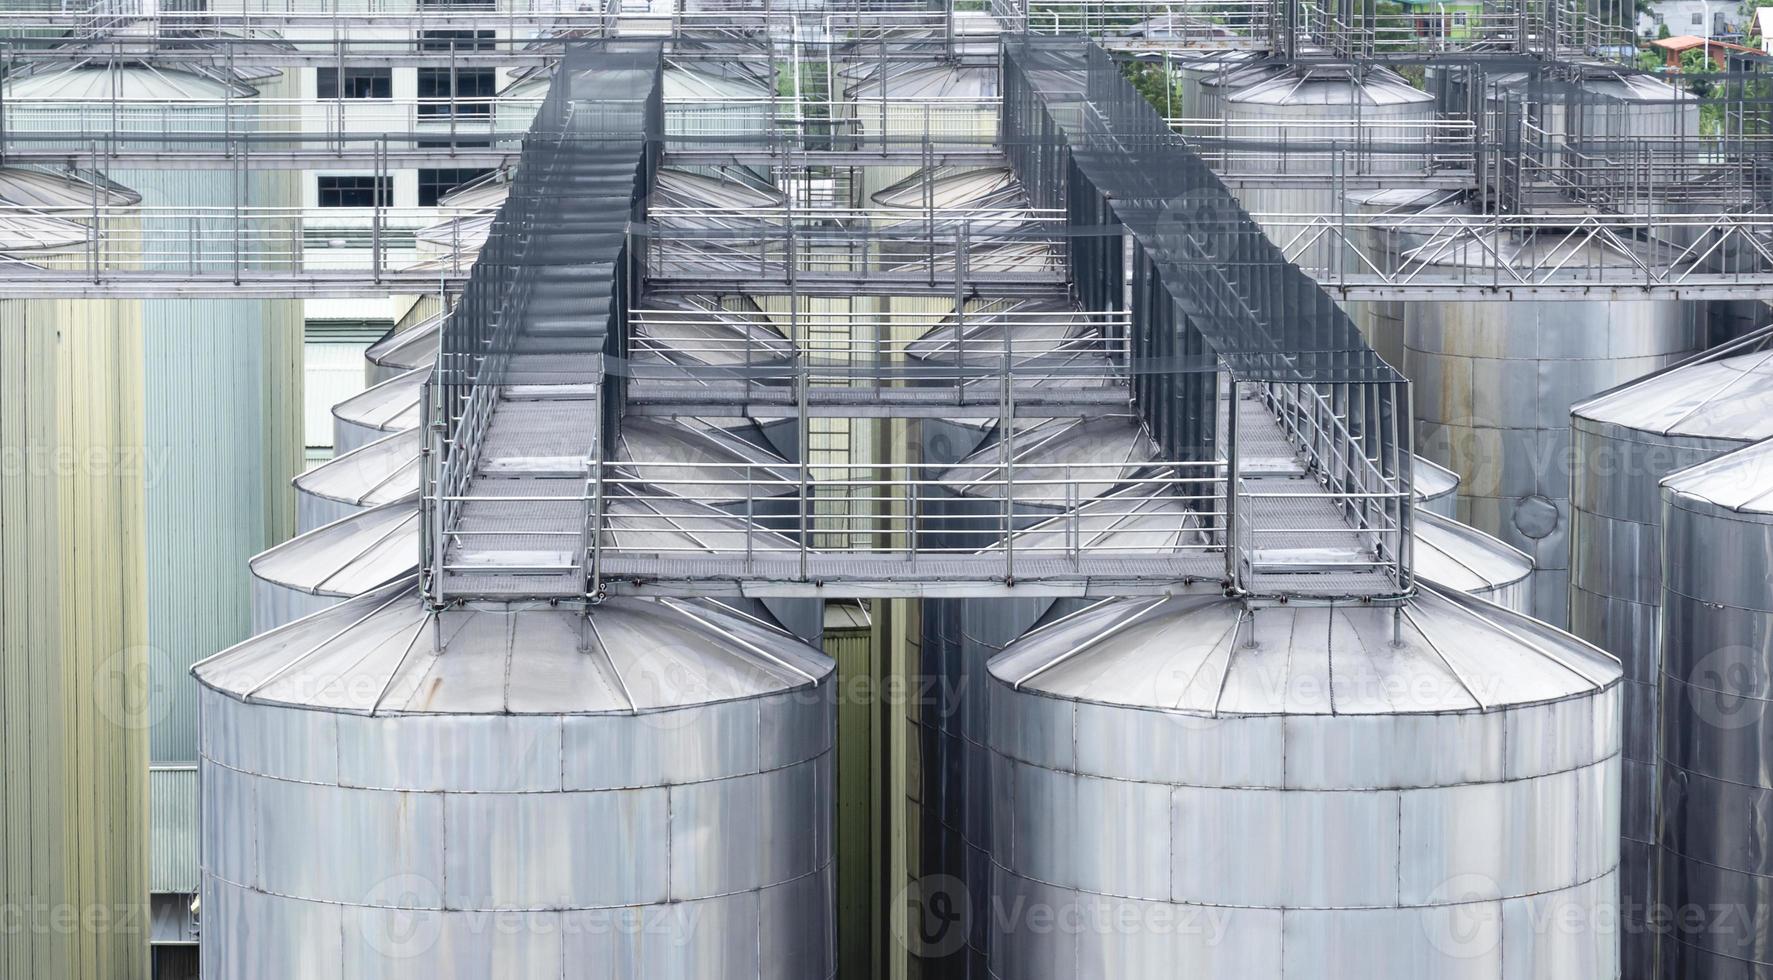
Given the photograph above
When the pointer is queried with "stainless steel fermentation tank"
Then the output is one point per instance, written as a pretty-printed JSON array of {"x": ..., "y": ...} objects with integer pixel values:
[{"x": 392, "y": 791}]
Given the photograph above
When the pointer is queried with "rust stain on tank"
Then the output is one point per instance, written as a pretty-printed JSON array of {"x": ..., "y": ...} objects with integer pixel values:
[{"x": 430, "y": 697}]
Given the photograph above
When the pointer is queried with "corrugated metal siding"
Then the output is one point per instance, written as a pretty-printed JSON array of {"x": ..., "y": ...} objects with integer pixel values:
[
  {"x": 223, "y": 407},
  {"x": 853, "y": 650},
  {"x": 334, "y": 373},
  {"x": 172, "y": 856},
  {"x": 73, "y": 657}
]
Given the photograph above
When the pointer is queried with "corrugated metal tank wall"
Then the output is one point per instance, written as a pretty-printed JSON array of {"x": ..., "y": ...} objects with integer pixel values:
[
  {"x": 74, "y": 637},
  {"x": 1717, "y": 696}
]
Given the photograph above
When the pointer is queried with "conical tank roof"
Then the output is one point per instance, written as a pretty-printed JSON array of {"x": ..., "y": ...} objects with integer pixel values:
[
  {"x": 390, "y": 406},
  {"x": 691, "y": 330},
  {"x": 1098, "y": 452},
  {"x": 388, "y": 653},
  {"x": 1431, "y": 481},
  {"x": 50, "y": 191},
  {"x": 954, "y": 187},
  {"x": 676, "y": 187},
  {"x": 928, "y": 82},
  {"x": 383, "y": 471},
  {"x": 702, "y": 461},
  {"x": 349, "y": 557},
  {"x": 1728, "y": 398},
  {"x": 414, "y": 347},
  {"x": 378, "y": 546},
  {"x": 1317, "y": 85},
  {"x": 132, "y": 82},
  {"x": 1737, "y": 483},
  {"x": 1456, "y": 556},
  {"x": 29, "y": 232},
  {"x": 1214, "y": 656},
  {"x": 1035, "y": 328}
]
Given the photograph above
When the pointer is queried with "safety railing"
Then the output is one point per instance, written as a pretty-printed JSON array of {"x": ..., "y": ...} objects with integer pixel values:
[
  {"x": 851, "y": 125},
  {"x": 168, "y": 123},
  {"x": 1334, "y": 30},
  {"x": 844, "y": 524},
  {"x": 1661, "y": 250},
  {"x": 330, "y": 24},
  {"x": 776, "y": 245},
  {"x": 102, "y": 128},
  {"x": 743, "y": 350},
  {"x": 1351, "y": 438},
  {"x": 121, "y": 240},
  {"x": 1338, "y": 148},
  {"x": 1186, "y": 22}
]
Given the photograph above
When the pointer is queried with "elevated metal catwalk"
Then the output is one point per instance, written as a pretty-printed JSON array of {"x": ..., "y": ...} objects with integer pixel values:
[{"x": 1282, "y": 463}]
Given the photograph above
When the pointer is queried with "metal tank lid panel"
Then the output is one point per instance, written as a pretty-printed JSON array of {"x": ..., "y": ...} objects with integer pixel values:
[
  {"x": 379, "y": 411},
  {"x": 376, "y": 473}
]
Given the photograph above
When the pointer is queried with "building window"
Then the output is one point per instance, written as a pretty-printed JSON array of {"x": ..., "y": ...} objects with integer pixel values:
[
  {"x": 1698, "y": 19},
  {"x": 470, "y": 94},
  {"x": 457, "y": 40},
  {"x": 433, "y": 184},
  {"x": 359, "y": 83},
  {"x": 355, "y": 191},
  {"x": 453, "y": 143}
]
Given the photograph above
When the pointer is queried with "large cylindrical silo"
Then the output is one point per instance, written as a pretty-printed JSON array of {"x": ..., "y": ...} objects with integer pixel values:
[
  {"x": 1286, "y": 127},
  {"x": 221, "y": 378},
  {"x": 1494, "y": 385},
  {"x": 76, "y": 649},
  {"x": 1200, "y": 787},
  {"x": 955, "y": 799},
  {"x": 476, "y": 765},
  {"x": 1624, "y": 441},
  {"x": 947, "y": 809},
  {"x": 1712, "y": 865}
]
